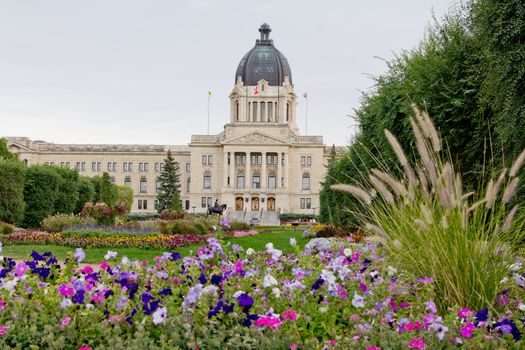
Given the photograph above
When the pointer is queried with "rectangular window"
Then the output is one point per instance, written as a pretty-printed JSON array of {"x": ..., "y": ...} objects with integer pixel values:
[
  {"x": 47, "y": 163},
  {"x": 282, "y": 181},
  {"x": 308, "y": 203},
  {"x": 303, "y": 160},
  {"x": 158, "y": 185},
  {"x": 144, "y": 204},
  {"x": 253, "y": 159},
  {"x": 275, "y": 160},
  {"x": 259, "y": 160},
  {"x": 62, "y": 164},
  {"x": 156, "y": 167},
  {"x": 114, "y": 166},
  {"x": 268, "y": 160},
  {"x": 93, "y": 166},
  {"x": 309, "y": 160},
  {"x": 270, "y": 111},
  {"x": 254, "y": 114},
  {"x": 143, "y": 185},
  {"x": 67, "y": 164},
  {"x": 204, "y": 160},
  {"x": 237, "y": 160},
  {"x": 187, "y": 206},
  {"x": 240, "y": 181},
  {"x": 256, "y": 181},
  {"x": 127, "y": 182},
  {"x": 209, "y": 202},
  {"x": 52, "y": 163},
  {"x": 161, "y": 166},
  {"x": 125, "y": 166},
  {"x": 210, "y": 160},
  {"x": 99, "y": 166},
  {"x": 302, "y": 203},
  {"x": 110, "y": 166},
  {"x": 145, "y": 166},
  {"x": 188, "y": 167},
  {"x": 271, "y": 182},
  {"x": 203, "y": 202},
  {"x": 141, "y": 166},
  {"x": 83, "y": 166},
  {"x": 207, "y": 181},
  {"x": 139, "y": 205},
  {"x": 77, "y": 166},
  {"x": 130, "y": 166}
]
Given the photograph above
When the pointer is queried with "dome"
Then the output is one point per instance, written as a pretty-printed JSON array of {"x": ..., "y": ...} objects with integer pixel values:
[{"x": 264, "y": 61}]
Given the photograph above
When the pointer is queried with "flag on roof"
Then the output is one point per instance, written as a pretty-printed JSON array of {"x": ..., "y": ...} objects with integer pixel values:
[
  {"x": 209, "y": 94},
  {"x": 256, "y": 90}
]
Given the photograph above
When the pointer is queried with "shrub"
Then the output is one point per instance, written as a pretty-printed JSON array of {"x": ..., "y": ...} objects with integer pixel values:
[
  {"x": 330, "y": 231},
  {"x": 55, "y": 223},
  {"x": 142, "y": 217},
  {"x": 6, "y": 228},
  {"x": 298, "y": 217},
  {"x": 238, "y": 226},
  {"x": 67, "y": 195},
  {"x": 40, "y": 193},
  {"x": 103, "y": 213},
  {"x": 86, "y": 193},
  {"x": 463, "y": 241},
  {"x": 12, "y": 206}
]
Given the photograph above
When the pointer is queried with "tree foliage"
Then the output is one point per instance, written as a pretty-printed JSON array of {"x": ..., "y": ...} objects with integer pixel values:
[
  {"x": 86, "y": 193},
  {"x": 68, "y": 194},
  {"x": 4, "y": 151},
  {"x": 12, "y": 205},
  {"x": 125, "y": 194},
  {"x": 40, "y": 192},
  {"x": 168, "y": 195},
  {"x": 468, "y": 73}
]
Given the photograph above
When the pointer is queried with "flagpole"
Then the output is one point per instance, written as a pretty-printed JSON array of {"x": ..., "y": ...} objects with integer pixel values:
[
  {"x": 209, "y": 112},
  {"x": 306, "y": 128}
]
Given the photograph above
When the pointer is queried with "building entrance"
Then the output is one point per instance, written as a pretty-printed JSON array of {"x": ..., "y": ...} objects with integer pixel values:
[
  {"x": 255, "y": 203},
  {"x": 239, "y": 204}
]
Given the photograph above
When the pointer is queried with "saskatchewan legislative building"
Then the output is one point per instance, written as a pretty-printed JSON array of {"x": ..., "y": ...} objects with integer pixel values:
[{"x": 259, "y": 165}]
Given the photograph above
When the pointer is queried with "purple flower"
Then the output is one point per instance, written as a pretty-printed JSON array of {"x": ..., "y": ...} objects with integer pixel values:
[
  {"x": 175, "y": 256},
  {"x": 146, "y": 297},
  {"x": 21, "y": 269},
  {"x": 216, "y": 309},
  {"x": 482, "y": 315},
  {"x": 80, "y": 255},
  {"x": 236, "y": 248},
  {"x": 166, "y": 291},
  {"x": 78, "y": 298},
  {"x": 225, "y": 223},
  {"x": 431, "y": 306},
  {"x": 245, "y": 300},
  {"x": 317, "y": 284},
  {"x": 36, "y": 256},
  {"x": 216, "y": 279}
]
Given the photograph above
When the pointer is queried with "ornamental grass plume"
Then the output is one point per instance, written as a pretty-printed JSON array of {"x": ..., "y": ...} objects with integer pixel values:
[{"x": 432, "y": 228}]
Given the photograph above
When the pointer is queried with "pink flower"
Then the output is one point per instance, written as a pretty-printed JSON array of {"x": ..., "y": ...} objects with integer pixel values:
[
  {"x": 404, "y": 304},
  {"x": 2, "y": 304},
  {"x": 464, "y": 313},
  {"x": 466, "y": 330},
  {"x": 270, "y": 322},
  {"x": 103, "y": 265},
  {"x": 289, "y": 315},
  {"x": 373, "y": 348},
  {"x": 87, "y": 270},
  {"x": 425, "y": 280},
  {"x": 66, "y": 290},
  {"x": 21, "y": 269},
  {"x": 417, "y": 343},
  {"x": 332, "y": 342},
  {"x": 84, "y": 348},
  {"x": 294, "y": 346},
  {"x": 65, "y": 321},
  {"x": 3, "y": 330}
]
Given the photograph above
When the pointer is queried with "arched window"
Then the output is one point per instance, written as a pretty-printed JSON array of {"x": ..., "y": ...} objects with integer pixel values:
[
  {"x": 306, "y": 181},
  {"x": 188, "y": 185},
  {"x": 206, "y": 183},
  {"x": 271, "y": 182},
  {"x": 287, "y": 112},
  {"x": 236, "y": 111},
  {"x": 270, "y": 112},
  {"x": 127, "y": 181},
  {"x": 143, "y": 185},
  {"x": 256, "y": 181},
  {"x": 240, "y": 180}
]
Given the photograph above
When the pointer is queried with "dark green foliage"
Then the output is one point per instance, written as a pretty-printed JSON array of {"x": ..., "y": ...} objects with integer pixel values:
[
  {"x": 12, "y": 173},
  {"x": 297, "y": 217},
  {"x": 4, "y": 151},
  {"x": 40, "y": 192},
  {"x": 86, "y": 193},
  {"x": 142, "y": 217},
  {"x": 67, "y": 196},
  {"x": 168, "y": 196},
  {"x": 469, "y": 75},
  {"x": 125, "y": 194},
  {"x": 108, "y": 191}
]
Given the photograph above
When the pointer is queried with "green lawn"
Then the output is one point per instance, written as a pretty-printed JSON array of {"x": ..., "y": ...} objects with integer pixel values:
[{"x": 280, "y": 240}]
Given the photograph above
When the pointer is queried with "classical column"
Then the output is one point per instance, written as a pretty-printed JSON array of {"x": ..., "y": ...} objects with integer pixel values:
[
  {"x": 232, "y": 169},
  {"x": 263, "y": 171},
  {"x": 279, "y": 171},
  {"x": 225, "y": 169},
  {"x": 248, "y": 173},
  {"x": 286, "y": 168}
]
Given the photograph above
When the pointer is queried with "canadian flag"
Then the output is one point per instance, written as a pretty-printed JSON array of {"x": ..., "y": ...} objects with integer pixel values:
[{"x": 256, "y": 90}]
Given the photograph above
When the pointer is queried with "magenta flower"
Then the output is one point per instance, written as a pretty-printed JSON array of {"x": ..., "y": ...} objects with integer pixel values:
[
  {"x": 466, "y": 330},
  {"x": 294, "y": 346},
  {"x": 268, "y": 321},
  {"x": 65, "y": 321},
  {"x": 417, "y": 343},
  {"x": 425, "y": 280},
  {"x": 464, "y": 313},
  {"x": 66, "y": 290},
  {"x": 289, "y": 315},
  {"x": 373, "y": 348},
  {"x": 87, "y": 270},
  {"x": 21, "y": 269},
  {"x": 103, "y": 265},
  {"x": 3, "y": 330}
]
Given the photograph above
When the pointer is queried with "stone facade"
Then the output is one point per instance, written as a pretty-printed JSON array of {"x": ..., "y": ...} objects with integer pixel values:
[{"x": 259, "y": 163}]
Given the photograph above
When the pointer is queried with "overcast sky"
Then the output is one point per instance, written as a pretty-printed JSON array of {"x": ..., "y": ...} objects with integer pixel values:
[{"x": 127, "y": 71}]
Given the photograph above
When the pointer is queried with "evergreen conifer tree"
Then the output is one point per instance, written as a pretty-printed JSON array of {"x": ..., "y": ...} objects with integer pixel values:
[{"x": 168, "y": 195}]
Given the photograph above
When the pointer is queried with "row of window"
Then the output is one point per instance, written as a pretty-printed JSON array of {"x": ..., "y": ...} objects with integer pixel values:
[
  {"x": 306, "y": 203},
  {"x": 112, "y": 166},
  {"x": 306, "y": 160},
  {"x": 206, "y": 202},
  {"x": 207, "y": 159},
  {"x": 256, "y": 159}
]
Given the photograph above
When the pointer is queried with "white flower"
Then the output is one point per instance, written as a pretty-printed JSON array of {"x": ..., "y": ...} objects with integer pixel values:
[
  {"x": 238, "y": 293},
  {"x": 159, "y": 316},
  {"x": 521, "y": 306},
  {"x": 269, "y": 246},
  {"x": 358, "y": 301},
  {"x": 125, "y": 261},
  {"x": 391, "y": 271},
  {"x": 79, "y": 254},
  {"x": 269, "y": 281},
  {"x": 323, "y": 310},
  {"x": 347, "y": 252},
  {"x": 90, "y": 306},
  {"x": 293, "y": 242},
  {"x": 250, "y": 251},
  {"x": 374, "y": 274},
  {"x": 504, "y": 280},
  {"x": 65, "y": 303},
  {"x": 110, "y": 255},
  {"x": 277, "y": 292},
  {"x": 276, "y": 253},
  {"x": 210, "y": 290},
  {"x": 516, "y": 266},
  {"x": 1, "y": 247}
]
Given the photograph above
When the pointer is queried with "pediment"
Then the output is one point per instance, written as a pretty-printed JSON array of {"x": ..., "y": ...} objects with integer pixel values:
[
  {"x": 16, "y": 147},
  {"x": 255, "y": 138}
]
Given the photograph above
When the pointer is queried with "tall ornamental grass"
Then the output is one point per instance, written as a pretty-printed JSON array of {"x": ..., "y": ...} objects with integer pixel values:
[{"x": 464, "y": 241}]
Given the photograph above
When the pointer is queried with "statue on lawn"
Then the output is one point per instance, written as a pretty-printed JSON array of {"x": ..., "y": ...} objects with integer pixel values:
[{"x": 217, "y": 208}]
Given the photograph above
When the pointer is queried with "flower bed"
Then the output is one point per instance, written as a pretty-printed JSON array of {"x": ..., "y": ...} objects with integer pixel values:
[
  {"x": 100, "y": 241},
  {"x": 343, "y": 297}
]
